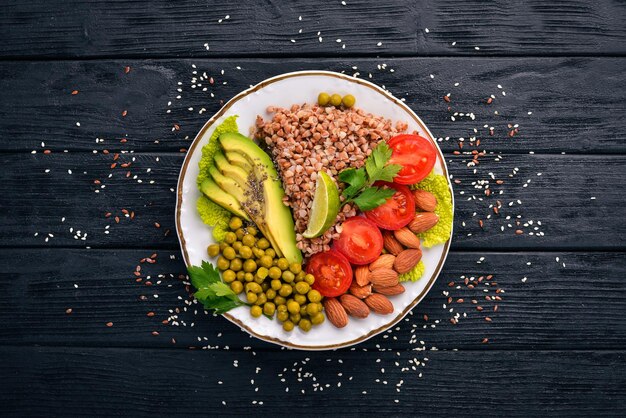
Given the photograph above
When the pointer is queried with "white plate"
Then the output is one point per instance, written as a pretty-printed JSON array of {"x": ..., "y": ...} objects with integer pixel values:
[{"x": 285, "y": 90}]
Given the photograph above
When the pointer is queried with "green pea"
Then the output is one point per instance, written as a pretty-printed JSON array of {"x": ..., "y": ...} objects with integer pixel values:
[
  {"x": 266, "y": 261},
  {"x": 295, "y": 317},
  {"x": 248, "y": 240},
  {"x": 293, "y": 307},
  {"x": 285, "y": 290},
  {"x": 251, "y": 297},
  {"x": 303, "y": 288},
  {"x": 236, "y": 264},
  {"x": 323, "y": 99},
  {"x": 318, "y": 318},
  {"x": 240, "y": 275},
  {"x": 261, "y": 299},
  {"x": 314, "y": 296},
  {"x": 288, "y": 276},
  {"x": 303, "y": 310},
  {"x": 288, "y": 326},
  {"x": 335, "y": 100},
  {"x": 312, "y": 309},
  {"x": 240, "y": 233},
  {"x": 236, "y": 287},
  {"x": 281, "y": 307},
  {"x": 305, "y": 325},
  {"x": 269, "y": 308},
  {"x": 295, "y": 268},
  {"x": 301, "y": 299},
  {"x": 213, "y": 250},
  {"x": 275, "y": 273},
  {"x": 252, "y": 230},
  {"x": 270, "y": 253},
  {"x": 253, "y": 287},
  {"x": 235, "y": 223},
  {"x": 348, "y": 100},
  {"x": 245, "y": 252},
  {"x": 229, "y": 253},
  {"x": 281, "y": 301},
  {"x": 256, "y": 311},
  {"x": 276, "y": 284},
  {"x": 263, "y": 243},
  {"x": 258, "y": 280},
  {"x": 264, "y": 285},
  {"x": 222, "y": 263},
  {"x": 223, "y": 245},
  {"x": 283, "y": 264},
  {"x": 282, "y": 316},
  {"x": 270, "y": 293},
  {"x": 237, "y": 245},
  {"x": 258, "y": 253},
  {"x": 310, "y": 279},
  {"x": 249, "y": 266},
  {"x": 248, "y": 277},
  {"x": 230, "y": 237},
  {"x": 229, "y": 276}
]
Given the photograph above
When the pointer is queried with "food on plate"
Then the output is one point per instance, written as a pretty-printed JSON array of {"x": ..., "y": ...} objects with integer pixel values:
[{"x": 324, "y": 218}]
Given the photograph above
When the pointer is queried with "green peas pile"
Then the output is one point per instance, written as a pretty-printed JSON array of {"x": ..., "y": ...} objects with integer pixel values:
[
  {"x": 271, "y": 285},
  {"x": 325, "y": 99}
]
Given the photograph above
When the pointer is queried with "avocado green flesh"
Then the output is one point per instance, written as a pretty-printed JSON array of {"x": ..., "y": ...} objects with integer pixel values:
[
  {"x": 231, "y": 171},
  {"x": 239, "y": 160},
  {"x": 228, "y": 185},
  {"x": 225, "y": 200},
  {"x": 271, "y": 215}
]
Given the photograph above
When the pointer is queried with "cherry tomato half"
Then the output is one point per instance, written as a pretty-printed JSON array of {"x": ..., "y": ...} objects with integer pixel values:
[
  {"x": 397, "y": 211},
  {"x": 416, "y": 155},
  {"x": 360, "y": 240},
  {"x": 333, "y": 274}
]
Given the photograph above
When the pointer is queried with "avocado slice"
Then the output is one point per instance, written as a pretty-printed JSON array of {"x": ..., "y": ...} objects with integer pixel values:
[
  {"x": 227, "y": 185},
  {"x": 225, "y": 200},
  {"x": 238, "y": 160},
  {"x": 265, "y": 188},
  {"x": 231, "y": 171}
]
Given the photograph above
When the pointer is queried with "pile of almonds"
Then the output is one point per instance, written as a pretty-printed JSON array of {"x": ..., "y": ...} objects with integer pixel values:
[{"x": 373, "y": 283}]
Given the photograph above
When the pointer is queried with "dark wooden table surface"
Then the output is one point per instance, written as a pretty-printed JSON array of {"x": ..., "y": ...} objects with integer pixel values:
[{"x": 98, "y": 105}]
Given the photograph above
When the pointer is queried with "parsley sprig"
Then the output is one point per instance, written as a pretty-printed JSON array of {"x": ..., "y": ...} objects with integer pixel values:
[
  {"x": 361, "y": 190},
  {"x": 212, "y": 292}
]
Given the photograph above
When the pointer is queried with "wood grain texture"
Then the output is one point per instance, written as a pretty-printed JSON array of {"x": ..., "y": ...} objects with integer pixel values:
[
  {"x": 561, "y": 199},
  {"x": 51, "y": 381},
  {"x": 152, "y": 28},
  {"x": 571, "y": 111},
  {"x": 576, "y": 306}
]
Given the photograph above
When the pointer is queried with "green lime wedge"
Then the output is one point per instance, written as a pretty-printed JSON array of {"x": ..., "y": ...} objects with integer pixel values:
[{"x": 325, "y": 206}]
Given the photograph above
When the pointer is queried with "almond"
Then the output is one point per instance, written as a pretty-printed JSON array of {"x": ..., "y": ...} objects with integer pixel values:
[
  {"x": 389, "y": 290},
  {"x": 391, "y": 244},
  {"x": 424, "y": 200},
  {"x": 360, "y": 292},
  {"x": 361, "y": 274},
  {"x": 383, "y": 277},
  {"x": 407, "y": 238},
  {"x": 385, "y": 261},
  {"x": 335, "y": 313},
  {"x": 379, "y": 304},
  {"x": 406, "y": 260},
  {"x": 354, "y": 307},
  {"x": 423, "y": 221}
]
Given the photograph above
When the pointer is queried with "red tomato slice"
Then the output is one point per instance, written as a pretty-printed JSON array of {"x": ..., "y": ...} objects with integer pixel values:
[
  {"x": 333, "y": 274},
  {"x": 397, "y": 211},
  {"x": 360, "y": 240},
  {"x": 416, "y": 155}
]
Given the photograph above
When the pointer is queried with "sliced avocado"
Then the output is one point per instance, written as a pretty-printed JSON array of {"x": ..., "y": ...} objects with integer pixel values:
[
  {"x": 239, "y": 160},
  {"x": 274, "y": 218},
  {"x": 225, "y": 200},
  {"x": 229, "y": 186},
  {"x": 231, "y": 171}
]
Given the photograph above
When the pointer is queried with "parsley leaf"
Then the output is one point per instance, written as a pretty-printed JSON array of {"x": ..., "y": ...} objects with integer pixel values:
[
  {"x": 360, "y": 181},
  {"x": 212, "y": 292}
]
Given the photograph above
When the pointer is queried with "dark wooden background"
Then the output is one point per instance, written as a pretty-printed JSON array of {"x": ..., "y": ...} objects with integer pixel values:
[{"x": 555, "y": 346}]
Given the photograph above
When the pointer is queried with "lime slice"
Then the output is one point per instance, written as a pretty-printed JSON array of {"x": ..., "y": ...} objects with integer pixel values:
[{"x": 325, "y": 206}]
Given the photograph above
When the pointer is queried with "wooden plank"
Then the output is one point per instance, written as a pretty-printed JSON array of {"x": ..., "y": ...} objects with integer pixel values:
[
  {"x": 70, "y": 381},
  {"x": 130, "y": 28},
  {"x": 563, "y": 191},
  {"x": 574, "y": 303},
  {"x": 571, "y": 111}
]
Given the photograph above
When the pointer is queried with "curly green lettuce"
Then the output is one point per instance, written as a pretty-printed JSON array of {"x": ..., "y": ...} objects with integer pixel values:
[
  {"x": 437, "y": 184},
  {"x": 211, "y": 213}
]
